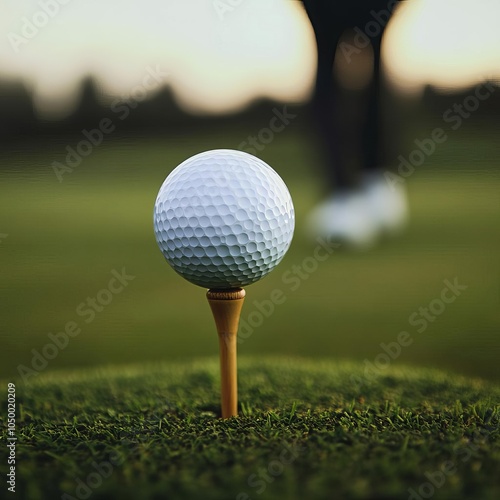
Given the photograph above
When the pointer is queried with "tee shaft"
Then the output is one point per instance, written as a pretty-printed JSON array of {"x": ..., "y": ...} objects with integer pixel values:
[{"x": 226, "y": 308}]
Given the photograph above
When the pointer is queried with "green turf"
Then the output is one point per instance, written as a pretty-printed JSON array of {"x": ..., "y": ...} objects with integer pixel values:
[{"x": 307, "y": 429}]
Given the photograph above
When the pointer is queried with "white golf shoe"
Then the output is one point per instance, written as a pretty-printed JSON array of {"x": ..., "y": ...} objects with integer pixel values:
[
  {"x": 344, "y": 218},
  {"x": 387, "y": 204},
  {"x": 357, "y": 218}
]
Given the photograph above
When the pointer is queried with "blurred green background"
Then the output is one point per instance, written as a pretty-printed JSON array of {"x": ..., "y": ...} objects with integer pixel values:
[
  {"x": 64, "y": 239},
  {"x": 194, "y": 79}
]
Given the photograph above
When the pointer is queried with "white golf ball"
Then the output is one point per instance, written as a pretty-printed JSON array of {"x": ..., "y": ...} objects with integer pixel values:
[{"x": 223, "y": 219}]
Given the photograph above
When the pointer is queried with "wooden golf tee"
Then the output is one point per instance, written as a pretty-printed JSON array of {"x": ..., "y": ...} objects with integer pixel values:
[{"x": 226, "y": 307}]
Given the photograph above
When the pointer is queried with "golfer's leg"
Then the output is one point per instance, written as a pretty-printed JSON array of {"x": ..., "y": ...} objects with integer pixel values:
[
  {"x": 372, "y": 131},
  {"x": 388, "y": 206},
  {"x": 327, "y": 31}
]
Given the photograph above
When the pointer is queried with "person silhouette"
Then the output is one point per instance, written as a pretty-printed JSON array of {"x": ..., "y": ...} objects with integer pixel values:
[{"x": 362, "y": 207}]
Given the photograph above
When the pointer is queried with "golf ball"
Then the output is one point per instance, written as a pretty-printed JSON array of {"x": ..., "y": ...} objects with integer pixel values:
[{"x": 223, "y": 219}]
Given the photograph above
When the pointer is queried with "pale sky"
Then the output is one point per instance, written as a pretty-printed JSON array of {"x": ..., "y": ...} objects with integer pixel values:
[
  {"x": 219, "y": 55},
  {"x": 447, "y": 43}
]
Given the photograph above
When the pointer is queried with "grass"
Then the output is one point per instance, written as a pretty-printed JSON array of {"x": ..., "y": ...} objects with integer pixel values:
[{"x": 307, "y": 429}]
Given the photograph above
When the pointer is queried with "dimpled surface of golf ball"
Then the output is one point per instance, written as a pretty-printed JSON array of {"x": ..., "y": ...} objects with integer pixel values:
[{"x": 223, "y": 219}]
